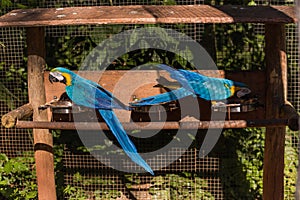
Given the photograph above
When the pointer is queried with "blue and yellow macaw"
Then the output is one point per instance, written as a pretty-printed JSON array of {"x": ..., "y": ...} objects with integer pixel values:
[
  {"x": 80, "y": 90},
  {"x": 193, "y": 83}
]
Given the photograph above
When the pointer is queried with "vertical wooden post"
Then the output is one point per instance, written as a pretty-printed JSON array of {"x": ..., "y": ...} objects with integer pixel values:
[
  {"x": 275, "y": 98},
  {"x": 36, "y": 91}
]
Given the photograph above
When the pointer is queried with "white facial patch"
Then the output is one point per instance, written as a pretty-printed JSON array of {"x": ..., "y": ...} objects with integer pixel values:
[
  {"x": 242, "y": 92},
  {"x": 57, "y": 75}
]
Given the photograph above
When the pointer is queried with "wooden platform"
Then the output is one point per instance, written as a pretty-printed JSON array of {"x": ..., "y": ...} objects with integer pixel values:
[
  {"x": 119, "y": 82},
  {"x": 148, "y": 15}
]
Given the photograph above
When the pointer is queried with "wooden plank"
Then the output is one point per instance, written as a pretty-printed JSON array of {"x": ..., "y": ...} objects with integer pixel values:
[
  {"x": 274, "y": 142},
  {"x": 144, "y": 80},
  {"x": 36, "y": 92},
  {"x": 147, "y": 15}
]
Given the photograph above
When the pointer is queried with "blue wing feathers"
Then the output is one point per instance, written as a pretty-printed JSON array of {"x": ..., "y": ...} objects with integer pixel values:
[
  {"x": 90, "y": 94},
  {"x": 123, "y": 139},
  {"x": 192, "y": 83},
  {"x": 177, "y": 75},
  {"x": 205, "y": 87},
  {"x": 164, "y": 97}
]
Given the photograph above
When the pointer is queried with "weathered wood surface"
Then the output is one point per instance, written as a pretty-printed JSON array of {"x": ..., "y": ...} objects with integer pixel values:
[
  {"x": 275, "y": 99},
  {"x": 9, "y": 120},
  {"x": 155, "y": 125},
  {"x": 36, "y": 92},
  {"x": 148, "y": 15}
]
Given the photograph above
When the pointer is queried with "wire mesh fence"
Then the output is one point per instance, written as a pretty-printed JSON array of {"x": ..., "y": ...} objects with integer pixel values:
[{"x": 233, "y": 170}]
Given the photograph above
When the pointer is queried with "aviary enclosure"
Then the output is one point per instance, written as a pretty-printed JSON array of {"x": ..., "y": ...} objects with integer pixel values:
[{"x": 256, "y": 154}]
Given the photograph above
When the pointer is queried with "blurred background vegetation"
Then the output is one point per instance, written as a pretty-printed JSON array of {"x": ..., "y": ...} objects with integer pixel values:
[{"x": 232, "y": 46}]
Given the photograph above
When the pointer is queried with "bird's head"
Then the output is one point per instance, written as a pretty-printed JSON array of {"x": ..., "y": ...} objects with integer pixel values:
[
  {"x": 61, "y": 75},
  {"x": 240, "y": 89}
]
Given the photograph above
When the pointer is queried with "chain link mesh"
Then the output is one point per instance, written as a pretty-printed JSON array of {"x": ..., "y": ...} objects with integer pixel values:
[{"x": 190, "y": 177}]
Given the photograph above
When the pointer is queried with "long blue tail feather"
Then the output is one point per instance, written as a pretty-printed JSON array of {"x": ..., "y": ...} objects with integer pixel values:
[{"x": 123, "y": 139}]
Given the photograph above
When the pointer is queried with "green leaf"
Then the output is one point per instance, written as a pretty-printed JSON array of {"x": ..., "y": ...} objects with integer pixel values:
[{"x": 8, "y": 167}]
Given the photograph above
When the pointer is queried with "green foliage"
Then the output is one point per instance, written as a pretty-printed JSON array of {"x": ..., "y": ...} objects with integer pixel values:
[
  {"x": 159, "y": 38},
  {"x": 291, "y": 163},
  {"x": 239, "y": 46},
  {"x": 77, "y": 193},
  {"x": 164, "y": 2},
  {"x": 235, "y": 46},
  {"x": 6, "y": 3},
  {"x": 70, "y": 52},
  {"x": 58, "y": 150},
  {"x": 17, "y": 178},
  {"x": 179, "y": 186},
  {"x": 243, "y": 167},
  {"x": 13, "y": 76},
  {"x": 164, "y": 187}
]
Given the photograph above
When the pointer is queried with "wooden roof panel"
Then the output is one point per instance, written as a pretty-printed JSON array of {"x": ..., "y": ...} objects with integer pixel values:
[{"x": 147, "y": 15}]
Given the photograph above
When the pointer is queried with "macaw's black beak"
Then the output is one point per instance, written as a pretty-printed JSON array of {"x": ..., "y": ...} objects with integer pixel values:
[{"x": 56, "y": 77}]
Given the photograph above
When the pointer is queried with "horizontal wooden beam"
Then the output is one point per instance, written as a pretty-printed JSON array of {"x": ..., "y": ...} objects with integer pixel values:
[
  {"x": 14, "y": 118},
  {"x": 147, "y": 14},
  {"x": 154, "y": 125}
]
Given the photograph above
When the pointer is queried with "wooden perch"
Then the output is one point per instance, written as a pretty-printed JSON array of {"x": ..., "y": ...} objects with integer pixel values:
[
  {"x": 288, "y": 111},
  {"x": 9, "y": 120},
  {"x": 154, "y": 125}
]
